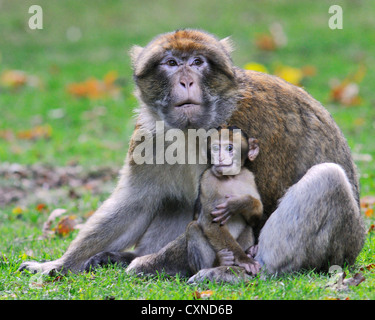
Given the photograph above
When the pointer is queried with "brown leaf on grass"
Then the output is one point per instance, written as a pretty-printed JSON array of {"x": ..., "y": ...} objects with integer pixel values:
[
  {"x": 196, "y": 295},
  {"x": 369, "y": 212},
  {"x": 355, "y": 280},
  {"x": 202, "y": 295},
  {"x": 276, "y": 38},
  {"x": 265, "y": 42},
  {"x": 58, "y": 278},
  {"x": 94, "y": 89},
  {"x": 24, "y": 185},
  {"x": 339, "y": 282},
  {"x": 369, "y": 267},
  {"x": 346, "y": 92},
  {"x": 35, "y": 133},
  {"x": 47, "y": 225},
  {"x": 367, "y": 201},
  {"x": 41, "y": 207},
  {"x": 15, "y": 79},
  {"x": 206, "y": 294},
  {"x": 309, "y": 71},
  {"x": 66, "y": 225},
  {"x": 371, "y": 229}
]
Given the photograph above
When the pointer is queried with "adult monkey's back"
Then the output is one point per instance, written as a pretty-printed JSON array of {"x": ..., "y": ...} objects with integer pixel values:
[{"x": 186, "y": 78}]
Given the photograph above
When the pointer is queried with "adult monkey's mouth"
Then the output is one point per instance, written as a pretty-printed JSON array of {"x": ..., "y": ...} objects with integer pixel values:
[{"x": 188, "y": 103}]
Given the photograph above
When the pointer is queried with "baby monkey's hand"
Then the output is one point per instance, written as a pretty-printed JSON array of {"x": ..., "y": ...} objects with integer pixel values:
[{"x": 227, "y": 209}]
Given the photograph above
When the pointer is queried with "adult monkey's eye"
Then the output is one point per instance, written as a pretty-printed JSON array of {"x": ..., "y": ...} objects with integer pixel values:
[
  {"x": 171, "y": 63},
  {"x": 197, "y": 61}
]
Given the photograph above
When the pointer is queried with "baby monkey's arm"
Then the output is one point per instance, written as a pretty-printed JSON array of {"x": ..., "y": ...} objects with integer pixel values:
[{"x": 250, "y": 208}]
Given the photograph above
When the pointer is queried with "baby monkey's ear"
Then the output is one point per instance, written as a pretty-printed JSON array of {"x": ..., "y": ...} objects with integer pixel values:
[{"x": 253, "y": 149}]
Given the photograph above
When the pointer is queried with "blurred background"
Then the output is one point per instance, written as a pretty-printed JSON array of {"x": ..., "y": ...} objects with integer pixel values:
[
  {"x": 66, "y": 116},
  {"x": 66, "y": 91}
]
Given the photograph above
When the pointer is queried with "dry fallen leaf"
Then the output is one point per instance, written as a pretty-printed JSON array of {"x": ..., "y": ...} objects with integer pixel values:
[
  {"x": 94, "y": 89},
  {"x": 65, "y": 225},
  {"x": 47, "y": 225},
  {"x": 202, "y": 295},
  {"x": 369, "y": 267},
  {"x": 35, "y": 133},
  {"x": 371, "y": 229},
  {"x": 206, "y": 294},
  {"x": 309, "y": 71},
  {"x": 276, "y": 38},
  {"x": 369, "y": 212},
  {"x": 41, "y": 207},
  {"x": 355, "y": 280},
  {"x": 339, "y": 283},
  {"x": 265, "y": 42},
  {"x": 346, "y": 91},
  {"x": 196, "y": 295},
  {"x": 367, "y": 201},
  {"x": 15, "y": 79}
]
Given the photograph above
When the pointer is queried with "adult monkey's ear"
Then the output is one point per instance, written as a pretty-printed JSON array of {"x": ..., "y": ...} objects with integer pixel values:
[
  {"x": 134, "y": 53},
  {"x": 228, "y": 44}
]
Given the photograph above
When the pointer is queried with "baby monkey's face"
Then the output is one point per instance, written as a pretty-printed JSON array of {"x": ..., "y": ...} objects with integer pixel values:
[{"x": 228, "y": 154}]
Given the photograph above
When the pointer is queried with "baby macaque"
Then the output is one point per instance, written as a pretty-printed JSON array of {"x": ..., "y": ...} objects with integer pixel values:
[{"x": 229, "y": 203}]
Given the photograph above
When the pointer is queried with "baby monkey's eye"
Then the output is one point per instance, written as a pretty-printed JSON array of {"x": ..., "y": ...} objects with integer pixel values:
[
  {"x": 215, "y": 148},
  {"x": 229, "y": 147}
]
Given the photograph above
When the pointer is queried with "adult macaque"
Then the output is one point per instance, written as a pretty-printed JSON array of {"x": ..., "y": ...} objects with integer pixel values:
[{"x": 187, "y": 79}]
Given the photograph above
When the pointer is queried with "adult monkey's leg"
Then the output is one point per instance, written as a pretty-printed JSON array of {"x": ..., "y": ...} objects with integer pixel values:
[
  {"x": 123, "y": 221},
  {"x": 317, "y": 224}
]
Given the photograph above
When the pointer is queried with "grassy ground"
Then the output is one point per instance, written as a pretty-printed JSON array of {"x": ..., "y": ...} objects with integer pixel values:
[{"x": 92, "y": 132}]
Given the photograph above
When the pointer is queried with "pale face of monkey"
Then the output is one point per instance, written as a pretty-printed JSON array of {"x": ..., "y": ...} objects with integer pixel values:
[
  {"x": 186, "y": 80},
  {"x": 227, "y": 157},
  {"x": 186, "y": 101}
]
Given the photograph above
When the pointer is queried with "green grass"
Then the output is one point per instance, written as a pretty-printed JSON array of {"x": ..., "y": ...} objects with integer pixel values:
[{"x": 109, "y": 29}]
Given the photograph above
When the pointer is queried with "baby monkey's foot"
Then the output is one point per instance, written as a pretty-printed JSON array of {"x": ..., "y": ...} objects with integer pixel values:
[
  {"x": 251, "y": 268},
  {"x": 252, "y": 251}
]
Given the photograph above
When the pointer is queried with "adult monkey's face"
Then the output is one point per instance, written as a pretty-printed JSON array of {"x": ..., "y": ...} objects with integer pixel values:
[{"x": 186, "y": 78}]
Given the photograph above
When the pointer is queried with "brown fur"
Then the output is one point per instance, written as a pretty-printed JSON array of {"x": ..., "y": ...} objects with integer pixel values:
[
  {"x": 153, "y": 204},
  {"x": 294, "y": 130}
]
